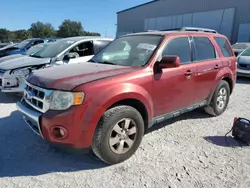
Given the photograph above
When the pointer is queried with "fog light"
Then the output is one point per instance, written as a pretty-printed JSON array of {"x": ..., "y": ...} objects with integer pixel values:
[{"x": 59, "y": 132}]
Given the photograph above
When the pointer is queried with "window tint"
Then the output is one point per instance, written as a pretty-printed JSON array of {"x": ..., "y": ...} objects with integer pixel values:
[
  {"x": 179, "y": 47},
  {"x": 246, "y": 52},
  {"x": 100, "y": 44},
  {"x": 224, "y": 46},
  {"x": 204, "y": 49}
]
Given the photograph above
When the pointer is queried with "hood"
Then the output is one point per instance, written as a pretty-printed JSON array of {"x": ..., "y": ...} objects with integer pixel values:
[
  {"x": 67, "y": 77},
  {"x": 244, "y": 60},
  {"x": 6, "y": 58},
  {"x": 22, "y": 61}
]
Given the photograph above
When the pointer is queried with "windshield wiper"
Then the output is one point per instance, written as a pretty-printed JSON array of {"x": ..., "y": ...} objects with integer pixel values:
[
  {"x": 92, "y": 60},
  {"x": 37, "y": 56},
  {"x": 106, "y": 62}
]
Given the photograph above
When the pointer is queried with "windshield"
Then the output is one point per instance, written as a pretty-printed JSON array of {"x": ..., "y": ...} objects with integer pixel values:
[
  {"x": 54, "y": 49},
  {"x": 23, "y": 44},
  {"x": 246, "y": 52},
  {"x": 129, "y": 50},
  {"x": 36, "y": 48}
]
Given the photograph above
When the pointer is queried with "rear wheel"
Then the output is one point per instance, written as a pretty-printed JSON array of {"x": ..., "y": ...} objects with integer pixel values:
[
  {"x": 118, "y": 135},
  {"x": 220, "y": 99}
]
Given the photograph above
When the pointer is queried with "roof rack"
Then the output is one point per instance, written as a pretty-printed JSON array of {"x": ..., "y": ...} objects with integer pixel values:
[{"x": 192, "y": 29}]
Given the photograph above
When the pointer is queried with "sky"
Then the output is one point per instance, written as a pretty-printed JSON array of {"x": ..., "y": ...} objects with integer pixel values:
[{"x": 95, "y": 15}]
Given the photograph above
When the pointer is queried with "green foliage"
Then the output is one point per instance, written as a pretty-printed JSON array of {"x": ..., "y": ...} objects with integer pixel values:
[
  {"x": 68, "y": 28},
  {"x": 40, "y": 29}
]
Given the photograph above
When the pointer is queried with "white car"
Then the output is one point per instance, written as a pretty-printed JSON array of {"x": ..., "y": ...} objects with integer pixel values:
[{"x": 13, "y": 72}]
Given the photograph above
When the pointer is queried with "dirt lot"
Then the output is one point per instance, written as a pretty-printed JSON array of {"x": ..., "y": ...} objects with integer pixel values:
[{"x": 189, "y": 151}]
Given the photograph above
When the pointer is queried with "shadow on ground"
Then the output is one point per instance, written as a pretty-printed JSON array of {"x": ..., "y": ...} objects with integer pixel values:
[
  {"x": 225, "y": 141},
  {"x": 6, "y": 98},
  {"x": 243, "y": 80},
  {"x": 196, "y": 114},
  {"x": 22, "y": 153}
]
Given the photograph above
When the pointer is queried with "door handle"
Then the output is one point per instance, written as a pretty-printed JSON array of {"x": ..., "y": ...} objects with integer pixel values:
[
  {"x": 188, "y": 73},
  {"x": 216, "y": 66}
]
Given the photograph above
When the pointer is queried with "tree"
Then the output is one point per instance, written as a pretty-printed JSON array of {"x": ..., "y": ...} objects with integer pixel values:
[
  {"x": 21, "y": 35},
  {"x": 40, "y": 29},
  {"x": 5, "y": 35},
  {"x": 86, "y": 33},
  {"x": 70, "y": 29}
]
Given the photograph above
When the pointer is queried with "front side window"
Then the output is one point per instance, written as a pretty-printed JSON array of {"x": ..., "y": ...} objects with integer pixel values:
[
  {"x": 246, "y": 52},
  {"x": 179, "y": 47},
  {"x": 83, "y": 49},
  {"x": 204, "y": 49},
  {"x": 135, "y": 50},
  {"x": 224, "y": 46}
]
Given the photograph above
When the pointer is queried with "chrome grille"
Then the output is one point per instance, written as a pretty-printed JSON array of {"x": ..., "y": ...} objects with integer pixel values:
[{"x": 37, "y": 97}]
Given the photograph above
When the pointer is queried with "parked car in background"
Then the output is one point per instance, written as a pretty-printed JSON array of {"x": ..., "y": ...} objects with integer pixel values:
[
  {"x": 5, "y": 44},
  {"x": 109, "y": 103},
  {"x": 64, "y": 51},
  {"x": 240, "y": 47},
  {"x": 30, "y": 51},
  {"x": 243, "y": 62},
  {"x": 23, "y": 46}
]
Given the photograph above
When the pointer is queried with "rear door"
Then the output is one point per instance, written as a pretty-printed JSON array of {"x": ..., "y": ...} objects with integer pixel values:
[{"x": 208, "y": 65}]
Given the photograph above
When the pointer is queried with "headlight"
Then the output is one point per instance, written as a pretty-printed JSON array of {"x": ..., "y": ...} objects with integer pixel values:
[
  {"x": 63, "y": 100},
  {"x": 21, "y": 72}
]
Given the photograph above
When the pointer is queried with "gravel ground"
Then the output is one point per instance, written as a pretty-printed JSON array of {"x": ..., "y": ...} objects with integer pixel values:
[{"x": 189, "y": 151}]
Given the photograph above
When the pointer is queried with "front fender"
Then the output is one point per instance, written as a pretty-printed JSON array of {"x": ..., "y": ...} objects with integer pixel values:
[
  {"x": 105, "y": 98},
  {"x": 119, "y": 92}
]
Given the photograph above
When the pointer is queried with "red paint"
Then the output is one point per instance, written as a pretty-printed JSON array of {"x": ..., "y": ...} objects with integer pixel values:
[{"x": 160, "y": 93}]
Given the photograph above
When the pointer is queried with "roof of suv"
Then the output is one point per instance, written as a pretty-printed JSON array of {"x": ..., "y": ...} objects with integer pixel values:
[{"x": 173, "y": 32}]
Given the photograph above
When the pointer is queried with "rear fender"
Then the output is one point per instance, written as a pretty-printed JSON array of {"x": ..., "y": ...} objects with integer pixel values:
[{"x": 222, "y": 74}]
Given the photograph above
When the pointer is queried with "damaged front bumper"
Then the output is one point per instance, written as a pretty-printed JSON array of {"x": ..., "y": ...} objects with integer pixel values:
[{"x": 11, "y": 84}]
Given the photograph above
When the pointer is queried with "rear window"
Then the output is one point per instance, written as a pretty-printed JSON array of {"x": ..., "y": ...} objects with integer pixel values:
[{"x": 224, "y": 46}]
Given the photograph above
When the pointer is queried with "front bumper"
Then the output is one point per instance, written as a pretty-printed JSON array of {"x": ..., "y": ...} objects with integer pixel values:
[
  {"x": 30, "y": 116},
  {"x": 71, "y": 120},
  {"x": 11, "y": 84},
  {"x": 243, "y": 73}
]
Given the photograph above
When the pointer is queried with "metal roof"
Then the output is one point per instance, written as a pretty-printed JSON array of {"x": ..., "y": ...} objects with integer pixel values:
[{"x": 137, "y": 6}]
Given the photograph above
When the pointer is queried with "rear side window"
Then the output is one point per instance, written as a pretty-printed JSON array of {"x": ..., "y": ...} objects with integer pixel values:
[
  {"x": 224, "y": 46},
  {"x": 204, "y": 49},
  {"x": 100, "y": 44},
  {"x": 179, "y": 47}
]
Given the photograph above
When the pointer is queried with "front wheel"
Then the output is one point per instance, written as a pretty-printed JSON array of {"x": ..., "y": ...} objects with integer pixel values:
[
  {"x": 118, "y": 134},
  {"x": 220, "y": 99}
]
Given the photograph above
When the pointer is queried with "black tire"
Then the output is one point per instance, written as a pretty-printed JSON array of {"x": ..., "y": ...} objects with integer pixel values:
[
  {"x": 101, "y": 142},
  {"x": 213, "y": 108}
]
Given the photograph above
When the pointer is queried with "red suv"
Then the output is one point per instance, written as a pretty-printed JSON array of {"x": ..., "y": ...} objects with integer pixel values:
[{"x": 138, "y": 80}]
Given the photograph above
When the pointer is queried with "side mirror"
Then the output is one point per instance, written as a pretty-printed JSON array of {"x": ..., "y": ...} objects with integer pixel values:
[
  {"x": 169, "y": 62},
  {"x": 68, "y": 56}
]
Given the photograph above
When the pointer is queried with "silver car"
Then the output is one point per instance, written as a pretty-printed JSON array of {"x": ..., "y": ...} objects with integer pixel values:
[
  {"x": 13, "y": 72},
  {"x": 243, "y": 62}
]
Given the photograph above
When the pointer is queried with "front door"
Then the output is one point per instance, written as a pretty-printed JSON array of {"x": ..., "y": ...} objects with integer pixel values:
[{"x": 174, "y": 88}]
